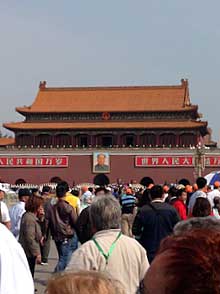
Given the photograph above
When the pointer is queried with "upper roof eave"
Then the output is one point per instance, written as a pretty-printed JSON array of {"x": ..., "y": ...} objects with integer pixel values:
[
  {"x": 109, "y": 88},
  {"x": 21, "y": 110},
  {"x": 25, "y": 110}
]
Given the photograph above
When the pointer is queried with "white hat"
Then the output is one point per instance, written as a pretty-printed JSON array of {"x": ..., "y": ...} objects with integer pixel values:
[
  {"x": 87, "y": 193},
  {"x": 180, "y": 187},
  {"x": 2, "y": 188}
]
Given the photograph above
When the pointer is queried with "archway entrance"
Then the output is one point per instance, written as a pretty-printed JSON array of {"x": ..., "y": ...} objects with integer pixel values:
[
  {"x": 146, "y": 181},
  {"x": 101, "y": 180},
  {"x": 55, "y": 180},
  {"x": 20, "y": 181}
]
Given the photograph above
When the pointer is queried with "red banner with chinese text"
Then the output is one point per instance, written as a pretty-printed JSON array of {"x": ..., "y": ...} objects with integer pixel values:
[
  {"x": 34, "y": 161},
  {"x": 164, "y": 161},
  {"x": 212, "y": 160}
]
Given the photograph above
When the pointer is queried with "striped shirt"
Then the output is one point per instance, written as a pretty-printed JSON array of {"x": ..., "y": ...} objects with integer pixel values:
[{"x": 127, "y": 203}]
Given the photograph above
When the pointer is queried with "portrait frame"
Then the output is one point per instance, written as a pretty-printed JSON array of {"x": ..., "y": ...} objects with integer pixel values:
[{"x": 103, "y": 166}]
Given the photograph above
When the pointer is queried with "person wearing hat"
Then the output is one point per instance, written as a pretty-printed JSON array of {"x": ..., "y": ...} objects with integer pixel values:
[
  {"x": 215, "y": 193},
  {"x": 86, "y": 198},
  {"x": 4, "y": 213},
  {"x": 18, "y": 210}
]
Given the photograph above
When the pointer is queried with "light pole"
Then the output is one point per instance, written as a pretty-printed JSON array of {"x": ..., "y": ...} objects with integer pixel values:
[{"x": 199, "y": 159}]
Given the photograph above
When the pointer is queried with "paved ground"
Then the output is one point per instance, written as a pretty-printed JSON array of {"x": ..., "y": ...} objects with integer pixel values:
[{"x": 43, "y": 272}]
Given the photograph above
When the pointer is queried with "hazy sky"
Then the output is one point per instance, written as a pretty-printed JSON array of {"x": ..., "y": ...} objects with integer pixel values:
[{"x": 117, "y": 42}]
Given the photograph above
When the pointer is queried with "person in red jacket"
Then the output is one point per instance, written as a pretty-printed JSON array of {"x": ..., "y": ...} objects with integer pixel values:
[{"x": 180, "y": 203}]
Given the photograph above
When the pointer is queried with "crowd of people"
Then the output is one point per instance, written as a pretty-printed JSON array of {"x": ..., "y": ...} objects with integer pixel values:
[{"x": 114, "y": 239}]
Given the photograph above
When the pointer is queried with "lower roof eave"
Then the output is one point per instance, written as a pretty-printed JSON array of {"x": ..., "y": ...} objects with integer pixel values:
[{"x": 106, "y": 125}]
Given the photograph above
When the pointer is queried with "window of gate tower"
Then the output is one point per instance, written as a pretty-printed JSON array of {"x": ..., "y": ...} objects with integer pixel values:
[
  {"x": 129, "y": 140},
  {"x": 83, "y": 141},
  {"x": 107, "y": 141}
]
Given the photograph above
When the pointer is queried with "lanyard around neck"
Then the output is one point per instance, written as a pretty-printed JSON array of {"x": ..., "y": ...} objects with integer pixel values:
[{"x": 109, "y": 253}]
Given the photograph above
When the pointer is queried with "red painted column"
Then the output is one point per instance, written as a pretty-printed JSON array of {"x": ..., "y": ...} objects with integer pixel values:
[
  {"x": 137, "y": 140},
  {"x": 119, "y": 139}
]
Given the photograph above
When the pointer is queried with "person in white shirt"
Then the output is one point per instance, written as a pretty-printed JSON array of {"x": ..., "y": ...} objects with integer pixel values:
[
  {"x": 216, "y": 207},
  {"x": 214, "y": 193},
  {"x": 18, "y": 210},
  {"x": 109, "y": 251},
  {"x": 201, "y": 192},
  {"x": 86, "y": 198},
  {"x": 15, "y": 276},
  {"x": 4, "y": 213}
]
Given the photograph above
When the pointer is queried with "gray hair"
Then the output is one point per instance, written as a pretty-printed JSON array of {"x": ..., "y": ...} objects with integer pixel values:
[
  {"x": 105, "y": 213},
  {"x": 208, "y": 222}
]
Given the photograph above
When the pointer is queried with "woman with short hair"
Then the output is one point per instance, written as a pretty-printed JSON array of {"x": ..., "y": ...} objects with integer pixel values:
[{"x": 30, "y": 231}]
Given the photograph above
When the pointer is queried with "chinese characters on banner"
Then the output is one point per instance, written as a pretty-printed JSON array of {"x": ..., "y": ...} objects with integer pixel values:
[
  {"x": 166, "y": 161},
  {"x": 34, "y": 161},
  {"x": 174, "y": 161},
  {"x": 212, "y": 160}
]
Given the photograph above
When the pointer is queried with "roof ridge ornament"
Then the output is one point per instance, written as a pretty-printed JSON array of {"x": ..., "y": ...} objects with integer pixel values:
[
  {"x": 42, "y": 85},
  {"x": 185, "y": 84}
]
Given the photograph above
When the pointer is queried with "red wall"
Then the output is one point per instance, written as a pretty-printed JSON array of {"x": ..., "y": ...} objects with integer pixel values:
[{"x": 80, "y": 170}]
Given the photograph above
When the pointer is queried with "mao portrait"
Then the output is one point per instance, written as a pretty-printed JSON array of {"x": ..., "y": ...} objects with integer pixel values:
[{"x": 101, "y": 162}]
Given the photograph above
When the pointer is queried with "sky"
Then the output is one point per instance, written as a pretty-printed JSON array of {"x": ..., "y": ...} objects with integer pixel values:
[{"x": 115, "y": 43}]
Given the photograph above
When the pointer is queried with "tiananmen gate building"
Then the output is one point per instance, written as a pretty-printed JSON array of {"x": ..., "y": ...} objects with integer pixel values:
[{"x": 88, "y": 134}]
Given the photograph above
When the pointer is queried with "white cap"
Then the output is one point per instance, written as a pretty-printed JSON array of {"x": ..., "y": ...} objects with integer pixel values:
[
  {"x": 87, "y": 193},
  {"x": 180, "y": 186},
  {"x": 2, "y": 188}
]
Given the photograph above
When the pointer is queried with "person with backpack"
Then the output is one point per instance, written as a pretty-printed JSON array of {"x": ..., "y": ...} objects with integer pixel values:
[{"x": 154, "y": 221}]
